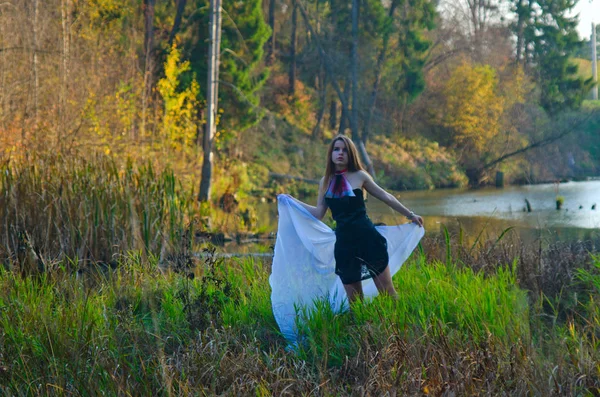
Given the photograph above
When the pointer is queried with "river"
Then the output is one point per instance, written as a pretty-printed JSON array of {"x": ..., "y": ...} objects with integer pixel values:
[{"x": 488, "y": 211}]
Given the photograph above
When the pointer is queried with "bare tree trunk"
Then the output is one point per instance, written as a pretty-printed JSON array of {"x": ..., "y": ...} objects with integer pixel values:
[
  {"x": 177, "y": 22},
  {"x": 345, "y": 110},
  {"x": 377, "y": 81},
  {"x": 292, "y": 73},
  {"x": 520, "y": 31},
  {"x": 333, "y": 114},
  {"x": 594, "y": 63},
  {"x": 3, "y": 94},
  {"x": 354, "y": 116},
  {"x": 323, "y": 56},
  {"x": 318, "y": 19},
  {"x": 271, "y": 43},
  {"x": 66, "y": 27},
  {"x": 316, "y": 133},
  {"x": 354, "y": 70},
  {"x": 212, "y": 93},
  {"x": 148, "y": 61},
  {"x": 35, "y": 61},
  {"x": 216, "y": 69}
]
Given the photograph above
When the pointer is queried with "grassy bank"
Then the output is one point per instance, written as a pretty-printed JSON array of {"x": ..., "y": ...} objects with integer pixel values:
[{"x": 142, "y": 331}]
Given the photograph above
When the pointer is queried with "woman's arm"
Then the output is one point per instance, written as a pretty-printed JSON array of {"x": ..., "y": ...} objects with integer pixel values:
[
  {"x": 318, "y": 211},
  {"x": 375, "y": 190}
]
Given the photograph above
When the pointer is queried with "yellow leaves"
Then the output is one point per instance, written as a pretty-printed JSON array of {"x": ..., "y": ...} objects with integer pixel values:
[
  {"x": 180, "y": 121},
  {"x": 474, "y": 105},
  {"x": 515, "y": 86}
]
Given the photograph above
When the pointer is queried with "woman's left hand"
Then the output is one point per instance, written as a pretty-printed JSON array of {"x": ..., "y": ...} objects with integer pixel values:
[{"x": 416, "y": 219}]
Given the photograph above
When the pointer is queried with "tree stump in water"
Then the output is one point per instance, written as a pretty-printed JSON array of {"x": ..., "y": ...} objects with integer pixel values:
[{"x": 499, "y": 179}]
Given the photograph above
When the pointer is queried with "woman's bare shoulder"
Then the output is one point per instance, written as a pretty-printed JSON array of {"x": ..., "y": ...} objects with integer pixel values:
[{"x": 363, "y": 175}]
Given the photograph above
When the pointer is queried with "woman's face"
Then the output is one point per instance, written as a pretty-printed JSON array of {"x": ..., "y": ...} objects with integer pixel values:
[{"x": 339, "y": 155}]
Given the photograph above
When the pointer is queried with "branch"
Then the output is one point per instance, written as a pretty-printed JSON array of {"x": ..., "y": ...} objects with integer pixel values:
[
  {"x": 237, "y": 90},
  {"x": 28, "y": 49},
  {"x": 442, "y": 57},
  {"x": 322, "y": 54},
  {"x": 239, "y": 34},
  {"x": 543, "y": 142},
  {"x": 177, "y": 21}
]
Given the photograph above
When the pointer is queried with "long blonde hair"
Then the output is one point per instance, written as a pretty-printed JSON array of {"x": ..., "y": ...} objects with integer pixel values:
[{"x": 354, "y": 163}]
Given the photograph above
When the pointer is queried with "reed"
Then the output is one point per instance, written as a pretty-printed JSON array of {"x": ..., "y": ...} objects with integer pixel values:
[{"x": 88, "y": 209}]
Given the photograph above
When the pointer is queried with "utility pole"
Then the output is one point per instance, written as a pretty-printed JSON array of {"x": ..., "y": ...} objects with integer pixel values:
[
  {"x": 594, "y": 64},
  {"x": 148, "y": 8},
  {"x": 212, "y": 98},
  {"x": 65, "y": 6}
]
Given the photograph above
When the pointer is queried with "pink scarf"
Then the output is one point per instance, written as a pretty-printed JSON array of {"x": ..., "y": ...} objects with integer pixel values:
[{"x": 339, "y": 186}]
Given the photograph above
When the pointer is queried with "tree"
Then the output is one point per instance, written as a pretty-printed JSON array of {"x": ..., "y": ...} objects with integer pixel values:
[
  {"x": 546, "y": 40},
  {"x": 354, "y": 50},
  {"x": 405, "y": 68},
  {"x": 241, "y": 72},
  {"x": 212, "y": 98},
  {"x": 586, "y": 49},
  {"x": 272, "y": 40},
  {"x": 35, "y": 62},
  {"x": 65, "y": 6},
  {"x": 177, "y": 21},
  {"x": 148, "y": 8},
  {"x": 293, "y": 46},
  {"x": 472, "y": 114},
  {"x": 473, "y": 106},
  {"x": 180, "y": 120}
]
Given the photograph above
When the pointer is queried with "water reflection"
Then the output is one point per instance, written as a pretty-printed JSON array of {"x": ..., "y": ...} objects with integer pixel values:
[
  {"x": 509, "y": 204},
  {"x": 487, "y": 212}
]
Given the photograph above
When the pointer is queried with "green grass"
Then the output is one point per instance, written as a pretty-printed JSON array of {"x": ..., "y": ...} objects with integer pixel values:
[{"x": 140, "y": 331}]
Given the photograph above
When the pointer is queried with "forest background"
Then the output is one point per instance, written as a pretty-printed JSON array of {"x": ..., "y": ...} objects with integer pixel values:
[{"x": 435, "y": 94}]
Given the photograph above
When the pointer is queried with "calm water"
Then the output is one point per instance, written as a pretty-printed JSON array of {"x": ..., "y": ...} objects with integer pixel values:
[
  {"x": 488, "y": 211},
  {"x": 508, "y": 204},
  {"x": 490, "y": 208}
]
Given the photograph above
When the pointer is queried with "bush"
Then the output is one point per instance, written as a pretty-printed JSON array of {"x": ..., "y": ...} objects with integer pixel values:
[{"x": 414, "y": 164}]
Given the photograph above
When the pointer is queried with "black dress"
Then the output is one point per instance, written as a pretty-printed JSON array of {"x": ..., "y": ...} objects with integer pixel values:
[{"x": 360, "y": 251}]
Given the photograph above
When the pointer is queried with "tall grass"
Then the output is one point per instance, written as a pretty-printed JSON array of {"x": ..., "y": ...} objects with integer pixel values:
[
  {"x": 141, "y": 331},
  {"x": 60, "y": 335},
  {"x": 88, "y": 209}
]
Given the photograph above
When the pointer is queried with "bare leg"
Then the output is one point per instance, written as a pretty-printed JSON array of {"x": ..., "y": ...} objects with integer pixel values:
[
  {"x": 384, "y": 284},
  {"x": 354, "y": 291}
]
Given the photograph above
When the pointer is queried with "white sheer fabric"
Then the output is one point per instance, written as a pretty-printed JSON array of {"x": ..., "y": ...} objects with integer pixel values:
[{"x": 304, "y": 265}]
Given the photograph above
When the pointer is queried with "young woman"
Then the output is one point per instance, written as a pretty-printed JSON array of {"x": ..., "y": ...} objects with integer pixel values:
[{"x": 360, "y": 251}]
